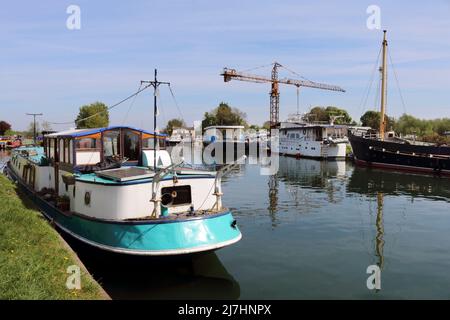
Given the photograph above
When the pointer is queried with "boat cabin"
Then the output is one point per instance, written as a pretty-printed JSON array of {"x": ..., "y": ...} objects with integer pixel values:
[
  {"x": 75, "y": 150},
  {"x": 312, "y": 132},
  {"x": 224, "y": 134}
]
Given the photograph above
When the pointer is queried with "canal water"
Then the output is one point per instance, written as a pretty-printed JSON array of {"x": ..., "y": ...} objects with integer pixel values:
[{"x": 310, "y": 231}]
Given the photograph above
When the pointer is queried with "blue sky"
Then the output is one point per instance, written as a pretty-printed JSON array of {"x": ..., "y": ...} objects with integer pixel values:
[{"x": 47, "y": 68}]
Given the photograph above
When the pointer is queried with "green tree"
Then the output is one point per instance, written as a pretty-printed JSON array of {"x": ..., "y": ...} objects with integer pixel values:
[
  {"x": 266, "y": 125},
  {"x": 322, "y": 114},
  {"x": 208, "y": 120},
  {"x": 224, "y": 115},
  {"x": 13, "y": 133},
  {"x": 94, "y": 115},
  {"x": 408, "y": 124},
  {"x": 174, "y": 123},
  {"x": 4, "y": 126},
  {"x": 342, "y": 116},
  {"x": 318, "y": 114},
  {"x": 372, "y": 119}
]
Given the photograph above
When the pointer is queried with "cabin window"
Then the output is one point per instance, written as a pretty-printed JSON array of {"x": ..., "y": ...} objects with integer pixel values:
[
  {"x": 61, "y": 150},
  {"x": 86, "y": 143},
  {"x": 51, "y": 150},
  {"x": 66, "y": 150},
  {"x": 131, "y": 145},
  {"x": 111, "y": 143},
  {"x": 148, "y": 143},
  {"x": 71, "y": 151}
]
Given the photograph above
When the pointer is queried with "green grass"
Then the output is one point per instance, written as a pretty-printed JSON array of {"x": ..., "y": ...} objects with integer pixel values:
[{"x": 33, "y": 257}]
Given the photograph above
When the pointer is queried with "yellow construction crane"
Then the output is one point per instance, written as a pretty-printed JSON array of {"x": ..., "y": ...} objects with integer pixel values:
[{"x": 231, "y": 74}]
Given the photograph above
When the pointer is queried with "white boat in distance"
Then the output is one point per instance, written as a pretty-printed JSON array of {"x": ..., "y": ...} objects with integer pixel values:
[
  {"x": 312, "y": 140},
  {"x": 186, "y": 135},
  {"x": 224, "y": 134}
]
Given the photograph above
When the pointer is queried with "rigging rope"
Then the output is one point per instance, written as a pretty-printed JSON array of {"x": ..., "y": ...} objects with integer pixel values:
[
  {"x": 175, "y": 101},
  {"x": 377, "y": 94},
  {"x": 369, "y": 87},
  {"x": 109, "y": 108},
  {"x": 397, "y": 82},
  {"x": 131, "y": 105}
]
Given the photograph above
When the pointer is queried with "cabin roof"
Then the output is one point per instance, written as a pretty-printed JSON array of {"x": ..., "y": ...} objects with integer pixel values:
[
  {"x": 74, "y": 133},
  {"x": 294, "y": 126},
  {"x": 224, "y": 127}
]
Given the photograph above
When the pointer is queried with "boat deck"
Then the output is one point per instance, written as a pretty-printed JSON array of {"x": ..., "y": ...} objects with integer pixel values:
[
  {"x": 182, "y": 216},
  {"x": 127, "y": 175},
  {"x": 32, "y": 153}
]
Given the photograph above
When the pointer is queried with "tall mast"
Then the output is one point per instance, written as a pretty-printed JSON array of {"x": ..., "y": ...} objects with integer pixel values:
[
  {"x": 155, "y": 111},
  {"x": 383, "y": 89},
  {"x": 155, "y": 84}
]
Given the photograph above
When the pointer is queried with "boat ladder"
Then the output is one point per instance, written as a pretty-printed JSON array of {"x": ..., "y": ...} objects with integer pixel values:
[{"x": 324, "y": 151}]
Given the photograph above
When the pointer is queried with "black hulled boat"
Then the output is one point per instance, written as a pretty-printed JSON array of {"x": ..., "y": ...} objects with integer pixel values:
[{"x": 384, "y": 150}]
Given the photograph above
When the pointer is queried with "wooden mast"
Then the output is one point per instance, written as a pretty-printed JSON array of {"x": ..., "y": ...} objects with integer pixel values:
[{"x": 383, "y": 89}]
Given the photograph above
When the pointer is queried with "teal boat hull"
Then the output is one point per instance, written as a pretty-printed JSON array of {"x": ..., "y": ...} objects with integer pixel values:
[{"x": 144, "y": 237}]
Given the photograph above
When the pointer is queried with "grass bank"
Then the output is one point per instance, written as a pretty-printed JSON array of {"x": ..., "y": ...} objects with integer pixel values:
[{"x": 33, "y": 257}]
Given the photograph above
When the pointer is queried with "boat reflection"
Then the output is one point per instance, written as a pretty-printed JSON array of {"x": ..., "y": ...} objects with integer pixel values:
[
  {"x": 199, "y": 276},
  {"x": 298, "y": 174},
  {"x": 376, "y": 184},
  {"x": 371, "y": 181},
  {"x": 379, "y": 241}
]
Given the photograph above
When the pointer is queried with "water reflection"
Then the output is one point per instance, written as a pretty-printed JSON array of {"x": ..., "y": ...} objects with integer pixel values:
[
  {"x": 370, "y": 181},
  {"x": 4, "y": 156},
  {"x": 313, "y": 228},
  {"x": 199, "y": 276},
  {"x": 377, "y": 184},
  {"x": 301, "y": 176},
  {"x": 379, "y": 241}
]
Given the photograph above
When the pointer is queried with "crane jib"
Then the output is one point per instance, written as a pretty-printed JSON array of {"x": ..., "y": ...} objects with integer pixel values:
[{"x": 231, "y": 74}]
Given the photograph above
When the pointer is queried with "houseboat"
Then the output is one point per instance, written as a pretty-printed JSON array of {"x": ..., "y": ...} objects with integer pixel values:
[
  {"x": 224, "y": 134},
  {"x": 179, "y": 135},
  {"x": 299, "y": 138},
  {"x": 384, "y": 149},
  {"x": 116, "y": 189},
  {"x": 223, "y": 144}
]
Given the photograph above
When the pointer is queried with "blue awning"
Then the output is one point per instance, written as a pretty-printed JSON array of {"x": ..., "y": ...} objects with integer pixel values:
[{"x": 74, "y": 133}]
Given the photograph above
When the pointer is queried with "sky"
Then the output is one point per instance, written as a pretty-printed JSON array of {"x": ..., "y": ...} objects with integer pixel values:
[{"x": 46, "y": 67}]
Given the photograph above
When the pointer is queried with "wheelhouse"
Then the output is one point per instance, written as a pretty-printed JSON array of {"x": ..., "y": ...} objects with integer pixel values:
[
  {"x": 75, "y": 149},
  {"x": 314, "y": 133}
]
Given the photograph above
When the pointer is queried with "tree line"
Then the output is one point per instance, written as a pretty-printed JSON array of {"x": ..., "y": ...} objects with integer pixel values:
[{"x": 96, "y": 115}]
